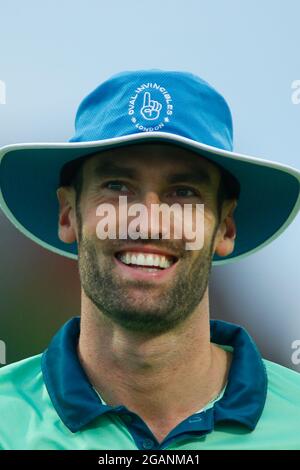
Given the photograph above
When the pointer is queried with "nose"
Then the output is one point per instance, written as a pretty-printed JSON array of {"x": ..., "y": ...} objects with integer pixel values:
[
  {"x": 151, "y": 197},
  {"x": 160, "y": 220},
  {"x": 151, "y": 224}
]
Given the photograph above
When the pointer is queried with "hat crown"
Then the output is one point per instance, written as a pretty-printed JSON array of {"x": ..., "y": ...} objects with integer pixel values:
[{"x": 174, "y": 102}]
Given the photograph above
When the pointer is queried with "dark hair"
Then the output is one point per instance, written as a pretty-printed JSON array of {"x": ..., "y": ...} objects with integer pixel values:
[
  {"x": 71, "y": 175},
  {"x": 229, "y": 188}
]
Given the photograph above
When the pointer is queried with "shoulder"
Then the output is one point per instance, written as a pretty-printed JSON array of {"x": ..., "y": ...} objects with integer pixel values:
[
  {"x": 21, "y": 385},
  {"x": 20, "y": 381},
  {"x": 283, "y": 388},
  {"x": 19, "y": 373},
  {"x": 281, "y": 377},
  {"x": 21, "y": 400}
]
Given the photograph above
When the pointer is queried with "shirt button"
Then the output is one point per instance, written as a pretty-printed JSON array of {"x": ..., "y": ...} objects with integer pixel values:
[{"x": 147, "y": 444}]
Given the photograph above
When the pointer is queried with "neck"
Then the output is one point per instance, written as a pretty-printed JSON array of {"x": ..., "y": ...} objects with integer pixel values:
[{"x": 172, "y": 374}]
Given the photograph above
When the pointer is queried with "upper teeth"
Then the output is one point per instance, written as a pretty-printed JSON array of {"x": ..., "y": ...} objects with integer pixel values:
[{"x": 142, "y": 259}]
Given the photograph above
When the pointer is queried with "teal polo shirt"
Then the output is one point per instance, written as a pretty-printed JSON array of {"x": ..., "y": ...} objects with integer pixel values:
[{"x": 47, "y": 402}]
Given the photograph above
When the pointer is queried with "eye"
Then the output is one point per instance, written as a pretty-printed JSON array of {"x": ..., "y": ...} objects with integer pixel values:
[
  {"x": 183, "y": 191},
  {"x": 116, "y": 185}
]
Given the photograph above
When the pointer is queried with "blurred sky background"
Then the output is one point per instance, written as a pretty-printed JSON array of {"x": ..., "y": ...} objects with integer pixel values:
[{"x": 52, "y": 53}]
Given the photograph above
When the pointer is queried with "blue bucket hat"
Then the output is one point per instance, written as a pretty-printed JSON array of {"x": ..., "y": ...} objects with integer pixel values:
[{"x": 139, "y": 107}]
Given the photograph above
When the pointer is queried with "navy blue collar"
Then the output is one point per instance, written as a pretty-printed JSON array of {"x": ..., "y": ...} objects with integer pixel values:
[{"x": 77, "y": 403}]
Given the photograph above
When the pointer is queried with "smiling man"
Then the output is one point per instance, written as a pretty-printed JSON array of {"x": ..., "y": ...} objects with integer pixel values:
[
  {"x": 114, "y": 276},
  {"x": 144, "y": 367}
]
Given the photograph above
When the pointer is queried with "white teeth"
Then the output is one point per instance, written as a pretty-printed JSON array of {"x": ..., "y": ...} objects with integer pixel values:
[
  {"x": 149, "y": 260},
  {"x": 155, "y": 260},
  {"x": 141, "y": 259}
]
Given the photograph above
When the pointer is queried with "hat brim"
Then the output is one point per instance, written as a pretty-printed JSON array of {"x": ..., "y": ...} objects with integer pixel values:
[{"x": 29, "y": 175}]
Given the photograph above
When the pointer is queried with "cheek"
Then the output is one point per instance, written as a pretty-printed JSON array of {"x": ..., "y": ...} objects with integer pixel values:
[
  {"x": 209, "y": 225},
  {"x": 101, "y": 223},
  {"x": 89, "y": 221},
  {"x": 199, "y": 227}
]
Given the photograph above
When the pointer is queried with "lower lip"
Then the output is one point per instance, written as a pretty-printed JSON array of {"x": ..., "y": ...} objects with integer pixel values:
[{"x": 143, "y": 275}]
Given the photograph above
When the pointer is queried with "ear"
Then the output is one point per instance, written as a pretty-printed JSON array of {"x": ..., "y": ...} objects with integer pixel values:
[
  {"x": 67, "y": 219},
  {"x": 226, "y": 233}
]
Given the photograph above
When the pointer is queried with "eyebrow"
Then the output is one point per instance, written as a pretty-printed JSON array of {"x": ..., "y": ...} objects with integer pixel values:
[
  {"x": 111, "y": 169},
  {"x": 196, "y": 176}
]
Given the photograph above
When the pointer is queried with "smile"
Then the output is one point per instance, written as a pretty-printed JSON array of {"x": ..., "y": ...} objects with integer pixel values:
[
  {"x": 149, "y": 261},
  {"x": 145, "y": 265}
]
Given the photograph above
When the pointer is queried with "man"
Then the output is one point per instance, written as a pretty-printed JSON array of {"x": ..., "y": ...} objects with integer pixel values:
[{"x": 145, "y": 367}]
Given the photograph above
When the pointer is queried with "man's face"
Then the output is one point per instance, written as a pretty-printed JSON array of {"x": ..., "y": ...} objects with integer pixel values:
[{"x": 152, "y": 300}]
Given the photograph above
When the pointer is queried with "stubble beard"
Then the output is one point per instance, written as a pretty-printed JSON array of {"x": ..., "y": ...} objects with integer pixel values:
[{"x": 151, "y": 313}]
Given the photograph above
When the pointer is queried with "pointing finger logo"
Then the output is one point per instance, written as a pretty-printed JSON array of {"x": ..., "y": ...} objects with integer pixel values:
[{"x": 151, "y": 108}]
